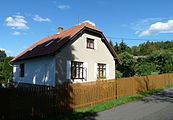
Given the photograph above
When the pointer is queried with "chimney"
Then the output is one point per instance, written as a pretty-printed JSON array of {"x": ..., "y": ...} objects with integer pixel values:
[{"x": 60, "y": 29}]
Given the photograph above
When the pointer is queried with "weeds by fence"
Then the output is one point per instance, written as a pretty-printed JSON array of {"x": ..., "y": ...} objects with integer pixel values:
[{"x": 43, "y": 101}]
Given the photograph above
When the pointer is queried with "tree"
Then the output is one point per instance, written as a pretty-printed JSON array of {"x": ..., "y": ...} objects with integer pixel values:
[
  {"x": 124, "y": 48},
  {"x": 7, "y": 72},
  {"x": 111, "y": 43},
  {"x": 116, "y": 48},
  {"x": 163, "y": 60},
  {"x": 128, "y": 63},
  {"x": 135, "y": 50},
  {"x": 2, "y": 57},
  {"x": 144, "y": 68},
  {"x": 2, "y": 54}
]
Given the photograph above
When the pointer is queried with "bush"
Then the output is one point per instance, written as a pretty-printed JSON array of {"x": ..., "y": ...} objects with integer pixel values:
[
  {"x": 145, "y": 68},
  {"x": 118, "y": 74},
  {"x": 163, "y": 61}
]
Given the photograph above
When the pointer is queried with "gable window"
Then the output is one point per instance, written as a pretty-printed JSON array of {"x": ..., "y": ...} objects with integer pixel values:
[
  {"x": 77, "y": 70},
  {"x": 101, "y": 68},
  {"x": 90, "y": 43},
  {"x": 22, "y": 70}
]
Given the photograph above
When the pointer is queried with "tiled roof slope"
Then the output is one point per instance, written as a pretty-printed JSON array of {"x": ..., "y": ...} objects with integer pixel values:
[{"x": 53, "y": 43}]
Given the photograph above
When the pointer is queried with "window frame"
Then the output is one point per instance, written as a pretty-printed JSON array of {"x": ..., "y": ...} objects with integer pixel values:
[
  {"x": 77, "y": 70},
  {"x": 22, "y": 70},
  {"x": 90, "y": 43},
  {"x": 101, "y": 71}
]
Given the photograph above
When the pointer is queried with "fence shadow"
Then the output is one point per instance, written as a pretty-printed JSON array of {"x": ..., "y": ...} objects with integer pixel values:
[
  {"x": 25, "y": 103},
  {"x": 144, "y": 84},
  {"x": 39, "y": 103},
  {"x": 75, "y": 116},
  {"x": 164, "y": 96}
]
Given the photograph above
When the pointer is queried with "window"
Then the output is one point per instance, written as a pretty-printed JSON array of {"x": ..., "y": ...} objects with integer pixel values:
[
  {"x": 90, "y": 43},
  {"x": 49, "y": 43},
  {"x": 33, "y": 48},
  {"x": 77, "y": 70},
  {"x": 101, "y": 68},
  {"x": 22, "y": 72}
]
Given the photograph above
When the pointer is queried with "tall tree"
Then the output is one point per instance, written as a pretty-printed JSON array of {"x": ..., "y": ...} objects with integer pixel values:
[
  {"x": 2, "y": 57},
  {"x": 128, "y": 64},
  {"x": 116, "y": 48},
  {"x": 7, "y": 72},
  {"x": 163, "y": 60},
  {"x": 123, "y": 47},
  {"x": 2, "y": 54},
  {"x": 144, "y": 68},
  {"x": 111, "y": 43}
]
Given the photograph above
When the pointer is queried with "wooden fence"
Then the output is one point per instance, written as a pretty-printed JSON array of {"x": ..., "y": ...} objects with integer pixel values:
[
  {"x": 88, "y": 94},
  {"x": 43, "y": 101},
  {"x": 26, "y": 103}
]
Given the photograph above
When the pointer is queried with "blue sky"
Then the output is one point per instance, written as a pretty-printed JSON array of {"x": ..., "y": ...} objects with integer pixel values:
[{"x": 24, "y": 22}]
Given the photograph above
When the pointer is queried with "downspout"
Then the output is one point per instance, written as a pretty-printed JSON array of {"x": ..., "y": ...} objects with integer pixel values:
[
  {"x": 116, "y": 80},
  {"x": 12, "y": 71}
]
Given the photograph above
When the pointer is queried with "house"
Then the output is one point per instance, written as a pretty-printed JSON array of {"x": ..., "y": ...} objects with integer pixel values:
[{"x": 79, "y": 54}]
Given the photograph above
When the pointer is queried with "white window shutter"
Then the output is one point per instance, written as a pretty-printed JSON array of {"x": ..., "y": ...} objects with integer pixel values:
[
  {"x": 95, "y": 71},
  {"x": 95, "y": 44},
  {"x": 34, "y": 80},
  {"x": 68, "y": 75},
  {"x": 14, "y": 68},
  {"x": 107, "y": 71},
  {"x": 85, "y": 71}
]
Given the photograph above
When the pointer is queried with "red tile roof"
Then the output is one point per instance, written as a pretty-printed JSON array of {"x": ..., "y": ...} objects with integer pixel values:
[{"x": 53, "y": 43}]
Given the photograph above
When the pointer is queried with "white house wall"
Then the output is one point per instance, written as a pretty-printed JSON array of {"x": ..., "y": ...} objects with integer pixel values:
[
  {"x": 37, "y": 71},
  {"x": 76, "y": 51}
]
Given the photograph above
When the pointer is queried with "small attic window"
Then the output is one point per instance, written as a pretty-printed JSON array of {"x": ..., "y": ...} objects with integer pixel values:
[
  {"x": 49, "y": 43},
  {"x": 32, "y": 48},
  {"x": 90, "y": 43}
]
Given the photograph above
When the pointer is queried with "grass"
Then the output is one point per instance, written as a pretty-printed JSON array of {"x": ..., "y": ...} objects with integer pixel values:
[{"x": 93, "y": 110}]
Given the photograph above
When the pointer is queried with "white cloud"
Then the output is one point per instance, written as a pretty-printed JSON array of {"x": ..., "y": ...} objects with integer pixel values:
[
  {"x": 62, "y": 7},
  {"x": 16, "y": 33},
  {"x": 157, "y": 28},
  {"x": 142, "y": 24},
  {"x": 6, "y": 51},
  {"x": 40, "y": 19},
  {"x": 17, "y": 22},
  {"x": 93, "y": 24}
]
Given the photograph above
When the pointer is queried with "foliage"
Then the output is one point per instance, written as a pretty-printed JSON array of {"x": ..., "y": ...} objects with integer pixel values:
[
  {"x": 5, "y": 68},
  {"x": 128, "y": 63},
  {"x": 116, "y": 48},
  {"x": 2, "y": 57},
  {"x": 102, "y": 77},
  {"x": 7, "y": 72},
  {"x": 151, "y": 58},
  {"x": 118, "y": 74},
  {"x": 148, "y": 47},
  {"x": 144, "y": 68},
  {"x": 2, "y": 54},
  {"x": 111, "y": 43},
  {"x": 124, "y": 48},
  {"x": 163, "y": 60}
]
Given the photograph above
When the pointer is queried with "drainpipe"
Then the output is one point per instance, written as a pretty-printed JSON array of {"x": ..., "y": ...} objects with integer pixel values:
[
  {"x": 12, "y": 71},
  {"x": 116, "y": 80}
]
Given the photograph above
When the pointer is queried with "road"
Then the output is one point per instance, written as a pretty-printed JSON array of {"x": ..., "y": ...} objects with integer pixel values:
[{"x": 155, "y": 107}]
